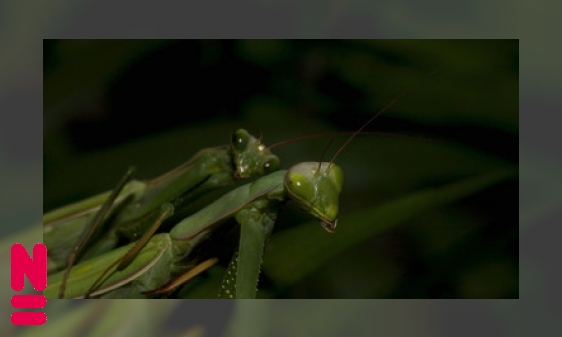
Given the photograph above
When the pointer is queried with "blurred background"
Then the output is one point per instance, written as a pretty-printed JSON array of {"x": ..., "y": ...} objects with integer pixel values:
[{"x": 154, "y": 103}]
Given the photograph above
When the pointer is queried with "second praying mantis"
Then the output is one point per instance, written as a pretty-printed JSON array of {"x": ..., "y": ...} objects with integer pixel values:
[{"x": 132, "y": 206}]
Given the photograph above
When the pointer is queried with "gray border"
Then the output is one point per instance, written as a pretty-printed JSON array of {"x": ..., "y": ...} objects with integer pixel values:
[{"x": 20, "y": 122}]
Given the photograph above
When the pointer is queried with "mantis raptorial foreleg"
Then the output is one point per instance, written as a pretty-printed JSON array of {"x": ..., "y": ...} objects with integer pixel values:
[{"x": 256, "y": 221}]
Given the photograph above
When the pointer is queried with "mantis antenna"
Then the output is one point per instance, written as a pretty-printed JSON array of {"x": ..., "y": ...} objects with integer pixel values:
[
  {"x": 385, "y": 108},
  {"x": 323, "y": 154}
]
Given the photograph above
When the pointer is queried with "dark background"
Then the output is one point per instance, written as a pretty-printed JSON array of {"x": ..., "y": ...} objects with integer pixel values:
[{"x": 153, "y": 103}]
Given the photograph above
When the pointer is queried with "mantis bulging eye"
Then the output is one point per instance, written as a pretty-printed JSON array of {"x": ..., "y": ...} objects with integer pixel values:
[
  {"x": 300, "y": 186},
  {"x": 240, "y": 139},
  {"x": 271, "y": 165}
]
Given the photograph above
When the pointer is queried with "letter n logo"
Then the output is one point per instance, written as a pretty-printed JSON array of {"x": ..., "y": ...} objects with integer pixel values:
[{"x": 36, "y": 271}]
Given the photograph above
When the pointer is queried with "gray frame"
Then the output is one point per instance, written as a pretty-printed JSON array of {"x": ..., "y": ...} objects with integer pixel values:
[{"x": 20, "y": 130}]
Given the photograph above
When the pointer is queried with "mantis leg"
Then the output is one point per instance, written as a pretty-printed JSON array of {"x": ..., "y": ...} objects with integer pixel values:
[
  {"x": 256, "y": 222},
  {"x": 241, "y": 279},
  {"x": 96, "y": 221},
  {"x": 165, "y": 212},
  {"x": 198, "y": 269}
]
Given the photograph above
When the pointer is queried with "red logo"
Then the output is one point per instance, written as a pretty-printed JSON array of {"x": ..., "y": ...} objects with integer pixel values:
[{"x": 36, "y": 270}]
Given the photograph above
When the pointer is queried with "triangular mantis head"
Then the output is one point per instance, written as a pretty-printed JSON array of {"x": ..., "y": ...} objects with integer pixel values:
[
  {"x": 251, "y": 158},
  {"x": 316, "y": 188}
]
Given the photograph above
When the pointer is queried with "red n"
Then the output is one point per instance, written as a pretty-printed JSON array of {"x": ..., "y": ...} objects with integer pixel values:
[{"x": 35, "y": 269}]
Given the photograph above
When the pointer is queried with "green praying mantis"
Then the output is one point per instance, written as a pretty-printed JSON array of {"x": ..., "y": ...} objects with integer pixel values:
[
  {"x": 136, "y": 203},
  {"x": 315, "y": 187},
  {"x": 159, "y": 264},
  {"x": 254, "y": 206}
]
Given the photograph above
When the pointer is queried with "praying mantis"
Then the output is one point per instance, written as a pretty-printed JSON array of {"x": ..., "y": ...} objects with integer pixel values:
[
  {"x": 134, "y": 267},
  {"x": 352, "y": 177},
  {"x": 253, "y": 203},
  {"x": 155, "y": 264},
  {"x": 210, "y": 168}
]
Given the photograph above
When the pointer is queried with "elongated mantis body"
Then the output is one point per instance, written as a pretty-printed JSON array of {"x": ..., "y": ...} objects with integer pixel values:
[
  {"x": 314, "y": 186},
  {"x": 133, "y": 209}
]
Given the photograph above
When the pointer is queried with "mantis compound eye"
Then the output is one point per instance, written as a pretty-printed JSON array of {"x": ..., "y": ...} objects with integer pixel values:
[
  {"x": 240, "y": 139},
  {"x": 271, "y": 165}
]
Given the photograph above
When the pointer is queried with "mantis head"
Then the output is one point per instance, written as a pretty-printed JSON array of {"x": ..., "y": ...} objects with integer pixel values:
[
  {"x": 250, "y": 156},
  {"x": 316, "y": 188}
]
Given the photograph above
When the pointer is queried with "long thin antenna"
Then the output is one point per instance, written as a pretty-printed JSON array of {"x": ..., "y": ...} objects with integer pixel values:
[
  {"x": 339, "y": 133},
  {"x": 323, "y": 154},
  {"x": 386, "y": 107}
]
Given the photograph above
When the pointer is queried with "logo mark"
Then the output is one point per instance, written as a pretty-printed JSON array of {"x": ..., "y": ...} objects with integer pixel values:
[{"x": 36, "y": 271}]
